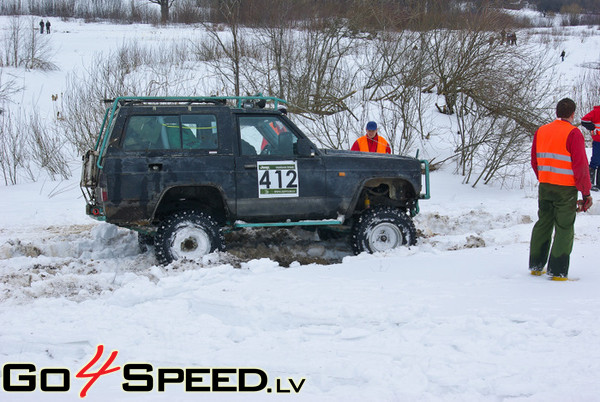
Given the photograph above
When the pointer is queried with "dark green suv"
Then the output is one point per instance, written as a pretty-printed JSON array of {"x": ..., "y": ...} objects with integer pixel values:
[{"x": 180, "y": 170}]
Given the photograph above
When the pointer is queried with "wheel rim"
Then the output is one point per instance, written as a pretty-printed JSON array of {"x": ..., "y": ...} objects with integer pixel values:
[
  {"x": 190, "y": 242},
  {"x": 384, "y": 236}
]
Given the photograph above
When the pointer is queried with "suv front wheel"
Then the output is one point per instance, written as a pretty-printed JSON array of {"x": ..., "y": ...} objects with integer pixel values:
[
  {"x": 382, "y": 228},
  {"x": 187, "y": 235}
]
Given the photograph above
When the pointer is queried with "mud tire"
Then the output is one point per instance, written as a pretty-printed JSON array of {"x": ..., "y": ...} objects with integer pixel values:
[
  {"x": 381, "y": 229},
  {"x": 187, "y": 235}
]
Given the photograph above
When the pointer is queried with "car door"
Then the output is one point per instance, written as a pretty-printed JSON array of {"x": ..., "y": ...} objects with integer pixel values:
[{"x": 273, "y": 182}]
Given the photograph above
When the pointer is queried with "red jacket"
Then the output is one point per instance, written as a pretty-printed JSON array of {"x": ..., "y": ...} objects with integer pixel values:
[
  {"x": 576, "y": 147},
  {"x": 372, "y": 144},
  {"x": 593, "y": 117}
]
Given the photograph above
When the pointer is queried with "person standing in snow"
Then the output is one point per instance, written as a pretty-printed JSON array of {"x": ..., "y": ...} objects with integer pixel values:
[
  {"x": 562, "y": 55},
  {"x": 559, "y": 161},
  {"x": 371, "y": 141},
  {"x": 48, "y": 26},
  {"x": 41, "y": 26},
  {"x": 591, "y": 121}
]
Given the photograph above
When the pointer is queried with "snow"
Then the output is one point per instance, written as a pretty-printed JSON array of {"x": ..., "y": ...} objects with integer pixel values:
[{"x": 455, "y": 318}]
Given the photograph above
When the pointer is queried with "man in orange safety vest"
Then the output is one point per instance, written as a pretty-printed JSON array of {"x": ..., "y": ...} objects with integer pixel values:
[
  {"x": 371, "y": 141},
  {"x": 560, "y": 163}
]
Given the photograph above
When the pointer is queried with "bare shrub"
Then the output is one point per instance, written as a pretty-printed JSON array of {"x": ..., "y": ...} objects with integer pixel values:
[
  {"x": 331, "y": 131},
  {"x": 46, "y": 147},
  {"x": 187, "y": 12},
  {"x": 322, "y": 73},
  {"x": 8, "y": 87},
  {"x": 37, "y": 51},
  {"x": 13, "y": 42},
  {"x": 13, "y": 148},
  {"x": 131, "y": 70},
  {"x": 28, "y": 146},
  {"x": 587, "y": 89}
]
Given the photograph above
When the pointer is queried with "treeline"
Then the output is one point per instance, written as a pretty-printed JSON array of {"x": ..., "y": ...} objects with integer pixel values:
[
  {"x": 363, "y": 15},
  {"x": 566, "y": 6}
]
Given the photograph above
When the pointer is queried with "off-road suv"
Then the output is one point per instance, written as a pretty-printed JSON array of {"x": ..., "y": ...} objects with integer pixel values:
[{"x": 180, "y": 170}]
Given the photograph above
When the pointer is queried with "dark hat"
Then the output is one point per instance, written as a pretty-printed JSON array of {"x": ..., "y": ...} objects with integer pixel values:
[{"x": 371, "y": 125}]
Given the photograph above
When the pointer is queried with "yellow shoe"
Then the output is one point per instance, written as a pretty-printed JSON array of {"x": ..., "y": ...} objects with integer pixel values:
[
  {"x": 559, "y": 278},
  {"x": 535, "y": 272}
]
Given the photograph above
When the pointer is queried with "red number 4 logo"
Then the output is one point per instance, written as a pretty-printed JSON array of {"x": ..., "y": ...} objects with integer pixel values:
[{"x": 103, "y": 370}]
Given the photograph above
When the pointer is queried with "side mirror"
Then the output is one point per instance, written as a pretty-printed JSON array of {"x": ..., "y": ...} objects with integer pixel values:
[{"x": 305, "y": 148}]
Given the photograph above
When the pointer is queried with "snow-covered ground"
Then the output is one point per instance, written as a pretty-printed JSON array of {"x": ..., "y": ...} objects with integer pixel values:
[{"x": 455, "y": 318}]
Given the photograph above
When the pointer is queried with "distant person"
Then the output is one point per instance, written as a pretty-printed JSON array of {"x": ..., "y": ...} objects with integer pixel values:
[
  {"x": 559, "y": 161},
  {"x": 562, "y": 55},
  {"x": 48, "y": 26},
  {"x": 41, "y": 26},
  {"x": 502, "y": 36},
  {"x": 591, "y": 121},
  {"x": 371, "y": 141}
]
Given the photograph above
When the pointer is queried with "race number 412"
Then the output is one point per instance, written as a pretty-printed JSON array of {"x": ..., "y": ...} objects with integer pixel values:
[{"x": 277, "y": 179}]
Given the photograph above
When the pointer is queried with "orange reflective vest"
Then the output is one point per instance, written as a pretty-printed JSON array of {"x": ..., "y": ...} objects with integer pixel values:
[
  {"x": 553, "y": 159},
  {"x": 363, "y": 145}
]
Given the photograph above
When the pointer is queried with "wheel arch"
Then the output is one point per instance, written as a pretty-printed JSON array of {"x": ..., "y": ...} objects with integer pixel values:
[
  {"x": 207, "y": 198},
  {"x": 397, "y": 192}
]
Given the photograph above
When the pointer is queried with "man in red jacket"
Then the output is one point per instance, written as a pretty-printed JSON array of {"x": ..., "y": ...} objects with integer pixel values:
[
  {"x": 559, "y": 161},
  {"x": 371, "y": 141},
  {"x": 591, "y": 121}
]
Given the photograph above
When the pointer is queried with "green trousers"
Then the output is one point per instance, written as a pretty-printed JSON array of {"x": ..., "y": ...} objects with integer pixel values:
[{"x": 556, "y": 213}]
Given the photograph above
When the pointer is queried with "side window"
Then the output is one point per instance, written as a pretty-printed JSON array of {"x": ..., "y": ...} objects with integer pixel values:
[
  {"x": 199, "y": 131},
  {"x": 152, "y": 132},
  {"x": 266, "y": 136}
]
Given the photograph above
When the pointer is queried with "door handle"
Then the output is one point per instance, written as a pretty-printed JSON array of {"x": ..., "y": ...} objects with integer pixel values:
[
  {"x": 155, "y": 167},
  {"x": 250, "y": 166}
]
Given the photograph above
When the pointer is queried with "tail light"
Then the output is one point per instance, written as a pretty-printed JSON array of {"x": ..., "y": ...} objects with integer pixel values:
[{"x": 101, "y": 194}]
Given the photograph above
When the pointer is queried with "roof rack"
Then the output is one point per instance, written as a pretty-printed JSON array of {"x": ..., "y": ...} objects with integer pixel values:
[
  {"x": 241, "y": 101},
  {"x": 258, "y": 100}
]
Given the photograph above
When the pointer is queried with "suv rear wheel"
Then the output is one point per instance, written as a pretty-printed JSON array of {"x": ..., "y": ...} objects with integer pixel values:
[
  {"x": 187, "y": 235},
  {"x": 381, "y": 229}
]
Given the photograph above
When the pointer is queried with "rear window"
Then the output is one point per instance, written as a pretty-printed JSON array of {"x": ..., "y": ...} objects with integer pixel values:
[
  {"x": 199, "y": 132},
  {"x": 171, "y": 132}
]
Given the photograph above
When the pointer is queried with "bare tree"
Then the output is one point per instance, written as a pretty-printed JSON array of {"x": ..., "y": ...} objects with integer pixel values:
[
  {"x": 498, "y": 114},
  {"x": 280, "y": 48},
  {"x": 165, "y": 6},
  {"x": 397, "y": 72},
  {"x": 232, "y": 48}
]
